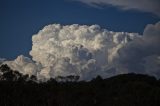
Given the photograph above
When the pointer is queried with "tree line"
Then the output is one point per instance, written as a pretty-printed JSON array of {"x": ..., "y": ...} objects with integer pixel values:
[{"x": 122, "y": 90}]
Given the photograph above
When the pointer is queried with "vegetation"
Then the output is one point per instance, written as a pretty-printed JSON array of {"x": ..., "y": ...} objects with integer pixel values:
[{"x": 122, "y": 90}]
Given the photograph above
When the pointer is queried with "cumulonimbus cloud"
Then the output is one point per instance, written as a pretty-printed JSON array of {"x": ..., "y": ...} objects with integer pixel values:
[
  {"x": 151, "y": 6},
  {"x": 89, "y": 51}
]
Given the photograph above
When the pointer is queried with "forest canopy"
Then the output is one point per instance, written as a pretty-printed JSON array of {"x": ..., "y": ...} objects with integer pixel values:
[{"x": 122, "y": 90}]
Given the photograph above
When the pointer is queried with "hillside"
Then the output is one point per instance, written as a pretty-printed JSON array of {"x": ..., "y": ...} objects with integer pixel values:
[{"x": 122, "y": 90}]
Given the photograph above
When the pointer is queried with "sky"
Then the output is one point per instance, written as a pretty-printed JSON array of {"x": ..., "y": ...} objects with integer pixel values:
[
  {"x": 21, "y": 19},
  {"x": 50, "y": 38}
]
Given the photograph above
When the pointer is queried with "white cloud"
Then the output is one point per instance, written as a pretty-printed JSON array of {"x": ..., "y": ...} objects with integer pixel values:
[
  {"x": 24, "y": 65},
  {"x": 89, "y": 51},
  {"x": 76, "y": 49},
  {"x": 151, "y": 6}
]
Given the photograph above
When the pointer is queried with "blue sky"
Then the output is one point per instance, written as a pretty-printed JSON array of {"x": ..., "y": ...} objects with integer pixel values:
[{"x": 20, "y": 19}]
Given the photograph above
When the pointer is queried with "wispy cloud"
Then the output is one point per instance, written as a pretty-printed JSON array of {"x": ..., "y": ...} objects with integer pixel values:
[{"x": 150, "y": 6}]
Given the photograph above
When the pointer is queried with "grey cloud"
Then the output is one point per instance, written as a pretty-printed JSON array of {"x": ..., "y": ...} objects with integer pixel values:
[
  {"x": 143, "y": 53},
  {"x": 151, "y": 6},
  {"x": 2, "y": 60}
]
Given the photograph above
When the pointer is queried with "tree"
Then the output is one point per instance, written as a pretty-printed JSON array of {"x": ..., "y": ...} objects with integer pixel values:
[
  {"x": 8, "y": 74},
  {"x": 72, "y": 78},
  {"x": 4, "y": 68}
]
